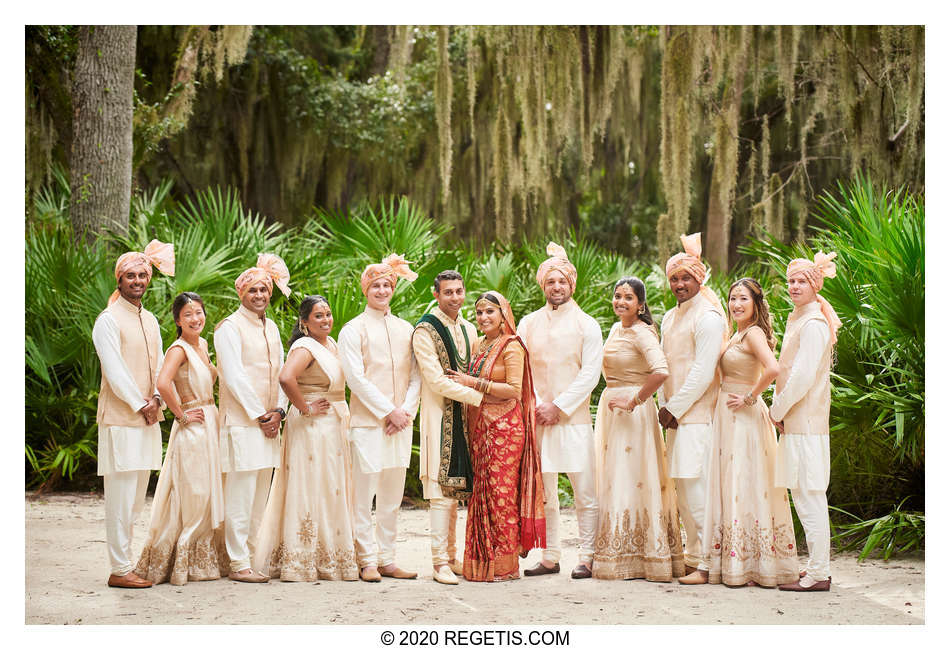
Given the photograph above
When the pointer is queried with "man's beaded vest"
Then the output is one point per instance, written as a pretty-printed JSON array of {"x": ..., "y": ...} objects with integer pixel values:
[
  {"x": 679, "y": 346},
  {"x": 140, "y": 342},
  {"x": 385, "y": 345},
  {"x": 261, "y": 357},
  {"x": 554, "y": 338},
  {"x": 810, "y": 414}
]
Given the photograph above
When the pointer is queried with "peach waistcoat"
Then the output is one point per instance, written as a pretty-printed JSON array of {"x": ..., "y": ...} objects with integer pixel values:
[
  {"x": 261, "y": 357},
  {"x": 679, "y": 346},
  {"x": 139, "y": 342},
  {"x": 385, "y": 345},
  {"x": 810, "y": 414}
]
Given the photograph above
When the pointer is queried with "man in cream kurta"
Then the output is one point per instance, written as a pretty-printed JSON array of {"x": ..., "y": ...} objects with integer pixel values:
[
  {"x": 376, "y": 355},
  {"x": 129, "y": 345},
  {"x": 252, "y": 405},
  {"x": 565, "y": 348},
  {"x": 437, "y": 392},
  {"x": 801, "y": 406},
  {"x": 692, "y": 334}
]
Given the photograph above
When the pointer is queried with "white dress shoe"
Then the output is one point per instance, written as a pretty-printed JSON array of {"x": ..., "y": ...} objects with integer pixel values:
[{"x": 445, "y": 576}]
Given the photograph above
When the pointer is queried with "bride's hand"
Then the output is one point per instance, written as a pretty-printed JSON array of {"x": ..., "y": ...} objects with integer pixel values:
[
  {"x": 460, "y": 378},
  {"x": 618, "y": 402}
]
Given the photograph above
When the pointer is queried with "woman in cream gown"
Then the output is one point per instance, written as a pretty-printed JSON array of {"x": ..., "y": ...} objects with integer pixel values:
[
  {"x": 306, "y": 533},
  {"x": 748, "y": 535},
  {"x": 638, "y": 527},
  {"x": 186, "y": 533}
]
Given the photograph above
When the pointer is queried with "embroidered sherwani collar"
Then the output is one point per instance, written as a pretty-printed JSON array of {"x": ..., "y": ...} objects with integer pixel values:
[
  {"x": 442, "y": 316},
  {"x": 129, "y": 307},
  {"x": 251, "y": 316},
  {"x": 686, "y": 305}
]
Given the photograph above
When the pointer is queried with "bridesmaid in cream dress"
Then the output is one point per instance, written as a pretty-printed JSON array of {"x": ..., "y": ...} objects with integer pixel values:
[
  {"x": 748, "y": 535},
  {"x": 638, "y": 529},
  {"x": 307, "y": 530},
  {"x": 186, "y": 534}
]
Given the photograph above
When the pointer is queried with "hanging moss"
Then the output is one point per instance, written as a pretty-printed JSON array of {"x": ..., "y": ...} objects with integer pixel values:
[{"x": 443, "y": 111}]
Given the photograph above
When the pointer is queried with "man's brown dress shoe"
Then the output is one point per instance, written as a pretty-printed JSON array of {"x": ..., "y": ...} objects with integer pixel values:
[
  {"x": 689, "y": 569},
  {"x": 819, "y": 585},
  {"x": 697, "y": 577},
  {"x": 129, "y": 581},
  {"x": 370, "y": 574},
  {"x": 540, "y": 570},
  {"x": 580, "y": 571},
  {"x": 396, "y": 572}
]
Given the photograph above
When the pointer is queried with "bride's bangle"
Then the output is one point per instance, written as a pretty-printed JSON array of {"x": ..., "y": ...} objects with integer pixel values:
[{"x": 749, "y": 399}]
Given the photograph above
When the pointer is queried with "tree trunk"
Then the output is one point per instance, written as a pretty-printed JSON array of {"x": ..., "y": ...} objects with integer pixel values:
[{"x": 101, "y": 157}]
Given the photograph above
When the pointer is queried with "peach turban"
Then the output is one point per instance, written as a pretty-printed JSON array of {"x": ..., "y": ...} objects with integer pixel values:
[
  {"x": 816, "y": 272},
  {"x": 393, "y": 267},
  {"x": 690, "y": 261},
  {"x": 557, "y": 261},
  {"x": 270, "y": 269},
  {"x": 157, "y": 253}
]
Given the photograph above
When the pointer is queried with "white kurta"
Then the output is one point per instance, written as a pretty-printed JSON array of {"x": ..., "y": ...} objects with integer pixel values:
[
  {"x": 436, "y": 388},
  {"x": 691, "y": 441},
  {"x": 375, "y": 450},
  {"x": 124, "y": 449},
  {"x": 804, "y": 461},
  {"x": 244, "y": 449},
  {"x": 569, "y": 448}
]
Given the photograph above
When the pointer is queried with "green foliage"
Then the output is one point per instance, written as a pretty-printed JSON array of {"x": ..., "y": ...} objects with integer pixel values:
[{"x": 895, "y": 532}]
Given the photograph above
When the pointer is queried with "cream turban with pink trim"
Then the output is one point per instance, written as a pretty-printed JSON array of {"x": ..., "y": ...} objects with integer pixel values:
[
  {"x": 162, "y": 256},
  {"x": 691, "y": 262},
  {"x": 557, "y": 261},
  {"x": 270, "y": 269},
  {"x": 393, "y": 267},
  {"x": 816, "y": 272}
]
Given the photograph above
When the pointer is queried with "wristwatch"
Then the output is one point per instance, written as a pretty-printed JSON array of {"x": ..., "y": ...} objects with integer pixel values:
[{"x": 283, "y": 413}]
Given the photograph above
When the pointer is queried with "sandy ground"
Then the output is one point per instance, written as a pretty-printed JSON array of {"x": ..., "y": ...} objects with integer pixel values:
[{"x": 66, "y": 572}]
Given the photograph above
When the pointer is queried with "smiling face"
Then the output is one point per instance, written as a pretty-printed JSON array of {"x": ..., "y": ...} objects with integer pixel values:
[
  {"x": 320, "y": 321},
  {"x": 191, "y": 320},
  {"x": 800, "y": 290},
  {"x": 683, "y": 285},
  {"x": 557, "y": 289},
  {"x": 450, "y": 296},
  {"x": 625, "y": 302},
  {"x": 257, "y": 297},
  {"x": 379, "y": 293},
  {"x": 133, "y": 283},
  {"x": 741, "y": 305},
  {"x": 488, "y": 316}
]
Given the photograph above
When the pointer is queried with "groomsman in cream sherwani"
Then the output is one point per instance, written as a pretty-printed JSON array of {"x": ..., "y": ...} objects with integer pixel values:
[
  {"x": 692, "y": 334},
  {"x": 129, "y": 344},
  {"x": 444, "y": 340},
  {"x": 252, "y": 405},
  {"x": 376, "y": 354},
  {"x": 565, "y": 348},
  {"x": 801, "y": 408}
]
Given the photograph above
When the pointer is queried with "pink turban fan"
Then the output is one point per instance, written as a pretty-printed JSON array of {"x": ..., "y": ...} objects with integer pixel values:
[
  {"x": 816, "y": 272},
  {"x": 157, "y": 253},
  {"x": 270, "y": 269},
  {"x": 557, "y": 261},
  {"x": 690, "y": 261},
  {"x": 393, "y": 267}
]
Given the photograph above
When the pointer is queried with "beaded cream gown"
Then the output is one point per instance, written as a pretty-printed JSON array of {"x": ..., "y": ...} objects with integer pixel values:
[
  {"x": 186, "y": 532},
  {"x": 306, "y": 533},
  {"x": 748, "y": 533},
  {"x": 638, "y": 527}
]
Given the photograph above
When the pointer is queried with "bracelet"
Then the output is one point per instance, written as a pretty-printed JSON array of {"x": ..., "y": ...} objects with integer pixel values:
[
  {"x": 636, "y": 400},
  {"x": 183, "y": 419},
  {"x": 749, "y": 399},
  {"x": 309, "y": 408},
  {"x": 488, "y": 386}
]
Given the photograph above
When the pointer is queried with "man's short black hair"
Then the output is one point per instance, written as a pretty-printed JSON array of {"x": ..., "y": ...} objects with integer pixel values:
[{"x": 449, "y": 274}]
